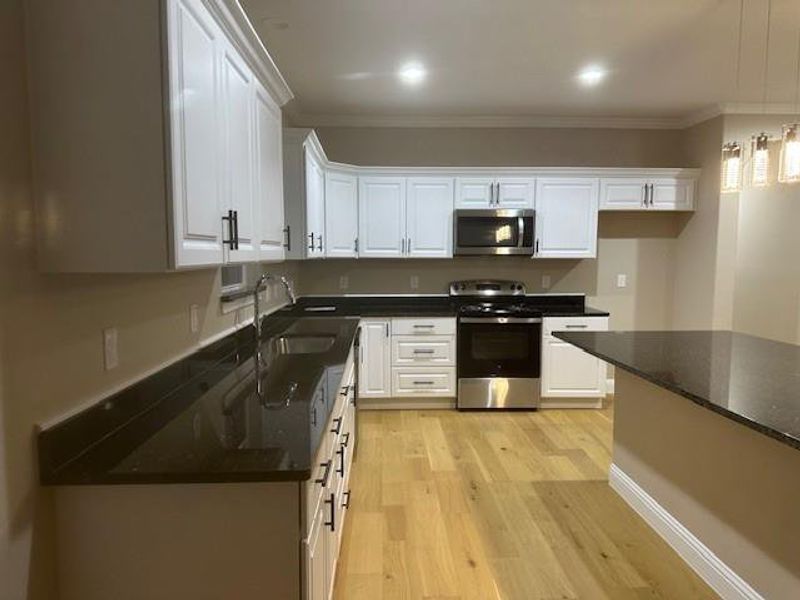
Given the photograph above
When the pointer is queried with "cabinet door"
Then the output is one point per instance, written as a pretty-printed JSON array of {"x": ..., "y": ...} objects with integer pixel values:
[
  {"x": 341, "y": 215},
  {"x": 474, "y": 192},
  {"x": 238, "y": 89},
  {"x": 315, "y": 208},
  {"x": 374, "y": 375},
  {"x": 316, "y": 561},
  {"x": 568, "y": 371},
  {"x": 515, "y": 192},
  {"x": 672, "y": 194},
  {"x": 622, "y": 193},
  {"x": 566, "y": 218},
  {"x": 429, "y": 217},
  {"x": 269, "y": 176},
  {"x": 195, "y": 106},
  {"x": 381, "y": 216}
]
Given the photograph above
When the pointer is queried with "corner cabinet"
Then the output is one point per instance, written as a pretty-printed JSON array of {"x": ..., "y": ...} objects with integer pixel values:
[
  {"x": 566, "y": 217},
  {"x": 341, "y": 215},
  {"x": 304, "y": 194},
  {"x": 190, "y": 175}
]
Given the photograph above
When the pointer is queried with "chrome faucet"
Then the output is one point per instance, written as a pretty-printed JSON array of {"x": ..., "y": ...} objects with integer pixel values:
[{"x": 258, "y": 357}]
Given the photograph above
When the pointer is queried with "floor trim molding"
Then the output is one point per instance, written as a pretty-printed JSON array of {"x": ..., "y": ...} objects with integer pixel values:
[{"x": 719, "y": 576}]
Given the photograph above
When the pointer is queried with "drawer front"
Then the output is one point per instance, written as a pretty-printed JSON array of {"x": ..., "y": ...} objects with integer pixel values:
[
  {"x": 552, "y": 324},
  {"x": 417, "y": 326},
  {"x": 424, "y": 382},
  {"x": 418, "y": 350}
]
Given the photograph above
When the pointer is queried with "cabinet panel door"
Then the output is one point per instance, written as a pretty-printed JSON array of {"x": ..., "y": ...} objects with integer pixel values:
[
  {"x": 238, "y": 89},
  {"x": 672, "y": 194},
  {"x": 570, "y": 372},
  {"x": 474, "y": 192},
  {"x": 269, "y": 176},
  {"x": 315, "y": 208},
  {"x": 381, "y": 216},
  {"x": 316, "y": 560},
  {"x": 622, "y": 193},
  {"x": 515, "y": 192},
  {"x": 429, "y": 217},
  {"x": 374, "y": 375},
  {"x": 341, "y": 215},
  {"x": 566, "y": 218},
  {"x": 195, "y": 107}
]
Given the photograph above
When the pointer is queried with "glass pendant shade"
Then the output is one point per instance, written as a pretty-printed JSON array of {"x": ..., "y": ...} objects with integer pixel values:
[
  {"x": 790, "y": 154},
  {"x": 760, "y": 160},
  {"x": 731, "y": 167}
]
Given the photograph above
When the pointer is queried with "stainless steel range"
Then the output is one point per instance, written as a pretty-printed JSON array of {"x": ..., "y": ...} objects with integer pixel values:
[{"x": 499, "y": 346}]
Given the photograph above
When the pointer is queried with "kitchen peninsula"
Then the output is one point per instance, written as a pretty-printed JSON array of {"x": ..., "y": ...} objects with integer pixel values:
[{"x": 706, "y": 449}]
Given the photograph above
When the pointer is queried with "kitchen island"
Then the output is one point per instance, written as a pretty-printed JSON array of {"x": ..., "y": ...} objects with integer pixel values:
[{"x": 707, "y": 450}]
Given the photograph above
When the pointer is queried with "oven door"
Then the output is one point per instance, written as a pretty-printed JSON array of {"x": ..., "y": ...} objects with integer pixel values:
[
  {"x": 501, "y": 232},
  {"x": 499, "y": 362}
]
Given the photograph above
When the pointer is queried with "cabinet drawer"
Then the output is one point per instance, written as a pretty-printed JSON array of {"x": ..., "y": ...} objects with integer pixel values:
[
  {"x": 429, "y": 350},
  {"x": 552, "y": 324},
  {"x": 424, "y": 381},
  {"x": 415, "y": 326}
]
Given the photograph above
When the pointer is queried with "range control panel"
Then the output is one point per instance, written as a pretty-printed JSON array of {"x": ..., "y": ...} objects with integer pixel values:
[{"x": 487, "y": 288}]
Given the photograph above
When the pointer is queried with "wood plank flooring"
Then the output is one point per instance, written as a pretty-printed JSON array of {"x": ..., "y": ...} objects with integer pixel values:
[{"x": 497, "y": 505}]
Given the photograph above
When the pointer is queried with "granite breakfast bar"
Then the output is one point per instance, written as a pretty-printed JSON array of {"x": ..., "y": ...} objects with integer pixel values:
[{"x": 707, "y": 450}]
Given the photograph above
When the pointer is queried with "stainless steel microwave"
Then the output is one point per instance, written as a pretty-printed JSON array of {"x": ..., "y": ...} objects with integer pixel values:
[{"x": 498, "y": 232}]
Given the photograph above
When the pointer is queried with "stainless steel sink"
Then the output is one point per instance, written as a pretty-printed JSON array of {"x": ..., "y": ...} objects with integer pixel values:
[{"x": 303, "y": 344}]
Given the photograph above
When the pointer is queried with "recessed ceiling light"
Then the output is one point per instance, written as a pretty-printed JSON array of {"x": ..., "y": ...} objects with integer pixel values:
[
  {"x": 412, "y": 73},
  {"x": 592, "y": 75}
]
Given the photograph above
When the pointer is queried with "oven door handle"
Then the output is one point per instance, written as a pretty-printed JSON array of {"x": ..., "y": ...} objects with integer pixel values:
[{"x": 500, "y": 320}]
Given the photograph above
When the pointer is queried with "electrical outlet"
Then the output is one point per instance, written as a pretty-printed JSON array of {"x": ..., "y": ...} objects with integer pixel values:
[
  {"x": 344, "y": 282},
  {"x": 622, "y": 280},
  {"x": 110, "y": 352},
  {"x": 546, "y": 282},
  {"x": 414, "y": 282},
  {"x": 194, "y": 318}
]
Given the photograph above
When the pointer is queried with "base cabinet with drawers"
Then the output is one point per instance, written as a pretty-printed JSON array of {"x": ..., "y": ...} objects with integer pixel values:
[
  {"x": 571, "y": 378},
  {"x": 411, "y": 358}
]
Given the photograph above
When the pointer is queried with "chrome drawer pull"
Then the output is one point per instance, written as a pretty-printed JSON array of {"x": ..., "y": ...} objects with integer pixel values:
[
  {"x": 423, "y": 326},
  {"x": 423, "y": 351},
  {"x": 423, "y": 383},
  {"x": 576, "y": 326}
]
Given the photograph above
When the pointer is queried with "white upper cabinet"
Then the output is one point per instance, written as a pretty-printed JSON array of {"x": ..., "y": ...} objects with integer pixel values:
[
  {"x": 341, "y": 215},
  {"x": 382, "y": 202},
  {"x": 269, "y": 176},
  {"x": 647, "y": 193},
  {"x": 238, "y": 94},
  {"x": 566, "y": 217},
  {"x": 515, "y": 192},
  {"x": 197, "y": 157},
  {"x": 315, "y": 207},
  {"x": 494, "y": 192},
  {"x": 429, "y": 217},
  {"x": 475, "y": 192}
]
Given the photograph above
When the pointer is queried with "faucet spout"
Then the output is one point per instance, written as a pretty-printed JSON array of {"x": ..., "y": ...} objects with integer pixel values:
[{"x": 258, "y": 356}]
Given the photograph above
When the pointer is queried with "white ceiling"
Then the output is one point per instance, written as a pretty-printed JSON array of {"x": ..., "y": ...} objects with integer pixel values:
[{"x": 513, "y": 59}]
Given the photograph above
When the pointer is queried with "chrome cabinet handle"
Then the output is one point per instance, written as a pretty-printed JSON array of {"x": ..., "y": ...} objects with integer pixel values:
[
  {"x": 644, "y": 195},
  {"x": 651, "y": 194},
  {"x": 288, "y": 244},
  {"x": 497, "y": 194}
]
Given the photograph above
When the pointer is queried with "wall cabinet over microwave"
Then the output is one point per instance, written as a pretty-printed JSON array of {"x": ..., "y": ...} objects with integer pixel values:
[
  {"x": 171, "y": 156},
  {"x": 494, "y": 192}
]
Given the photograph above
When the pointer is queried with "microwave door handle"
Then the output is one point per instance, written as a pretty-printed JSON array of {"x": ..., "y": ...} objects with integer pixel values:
[{"x": 521, "y": 232}]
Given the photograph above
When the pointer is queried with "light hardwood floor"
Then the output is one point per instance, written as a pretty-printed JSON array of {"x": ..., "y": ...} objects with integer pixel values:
[{"x": 489, "y": 505}]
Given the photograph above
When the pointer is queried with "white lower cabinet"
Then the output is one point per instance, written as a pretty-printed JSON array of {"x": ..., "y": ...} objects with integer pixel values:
[
  {"x": 430, "y": 382},
  {"x": 570, "y": 376},
  {"x": 375, "y": 361}
]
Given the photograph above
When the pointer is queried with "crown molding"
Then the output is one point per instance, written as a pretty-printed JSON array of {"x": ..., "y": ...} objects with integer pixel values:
[{"x": 487, "y": 121}]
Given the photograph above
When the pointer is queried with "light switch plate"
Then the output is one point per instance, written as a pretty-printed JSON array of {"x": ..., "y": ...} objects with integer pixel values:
[
  {"x": 414, "y": 282},
  {"x": 546, "y": 282},
  {"x": 110, "y": 352},
  {"x": 344, "y": 282},
  {"x": 622, "y": 280},
  {"x": 194, "y": 318}
]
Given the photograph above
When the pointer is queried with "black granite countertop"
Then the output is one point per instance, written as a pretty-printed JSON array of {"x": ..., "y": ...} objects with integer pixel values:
[
  {"x": 199, "y": 420},
  {"x": 750, "y": 380},
  {"x": 551, "y": 305}
]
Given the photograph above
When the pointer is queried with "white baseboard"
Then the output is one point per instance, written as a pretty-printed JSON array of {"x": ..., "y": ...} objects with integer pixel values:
[
  {"x": 719, "y": 576},
  {"x": 609, "y": 386}
]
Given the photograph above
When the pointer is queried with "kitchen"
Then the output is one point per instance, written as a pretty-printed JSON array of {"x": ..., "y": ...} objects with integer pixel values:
[{"x": 427, "y": 255}]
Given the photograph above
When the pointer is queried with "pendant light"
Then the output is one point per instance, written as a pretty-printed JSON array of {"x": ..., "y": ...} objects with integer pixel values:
[
  {"x": 760, "y": 143},
  {"x": 790, "y": 135},
  {"x": 731, "y": 171}
]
